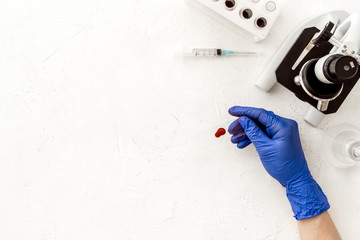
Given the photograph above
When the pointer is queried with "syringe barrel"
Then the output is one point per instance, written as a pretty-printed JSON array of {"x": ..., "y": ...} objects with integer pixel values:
[{"x": 203, "y": 52}]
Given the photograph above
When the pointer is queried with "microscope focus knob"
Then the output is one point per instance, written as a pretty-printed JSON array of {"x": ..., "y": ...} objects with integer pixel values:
[
  {"x": 339, "y": 68},
  {"x": 325, "y": 35}
]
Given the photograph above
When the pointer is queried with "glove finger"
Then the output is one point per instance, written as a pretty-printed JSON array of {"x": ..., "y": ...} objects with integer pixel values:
[
  {"x": 235, "y": 127},
  {"x": 244, "y": 144},
  {"x": 253, "y": 131},
  {"x": 237, "y": 138},
  {"x": 266, "y": 118}
]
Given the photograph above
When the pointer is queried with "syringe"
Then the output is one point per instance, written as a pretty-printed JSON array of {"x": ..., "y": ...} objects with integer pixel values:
[{"x": 213, "y": 52}]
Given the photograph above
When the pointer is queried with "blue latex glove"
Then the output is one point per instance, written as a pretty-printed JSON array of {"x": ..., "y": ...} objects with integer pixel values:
[{"x": 277, "y": 142}]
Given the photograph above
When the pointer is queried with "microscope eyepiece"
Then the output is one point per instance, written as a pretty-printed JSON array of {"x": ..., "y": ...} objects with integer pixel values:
[{"x": 339, "y": 68}]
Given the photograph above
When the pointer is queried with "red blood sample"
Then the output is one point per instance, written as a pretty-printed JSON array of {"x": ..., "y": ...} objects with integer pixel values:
[{"x": 220, "y": 132}]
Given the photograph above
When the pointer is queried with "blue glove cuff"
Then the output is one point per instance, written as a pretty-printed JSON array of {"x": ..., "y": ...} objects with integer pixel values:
[{"x": 306, "y": 198}]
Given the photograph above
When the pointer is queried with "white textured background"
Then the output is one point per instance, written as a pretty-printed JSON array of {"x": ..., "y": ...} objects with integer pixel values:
[{"x": 104, "y": 134}]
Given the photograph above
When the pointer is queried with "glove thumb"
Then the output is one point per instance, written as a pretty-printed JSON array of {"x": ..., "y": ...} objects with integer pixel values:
[{"x": 253, "y": 131}]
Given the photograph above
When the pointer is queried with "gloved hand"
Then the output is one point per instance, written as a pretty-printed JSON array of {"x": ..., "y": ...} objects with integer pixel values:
[{"x": 277, "y": 142}]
